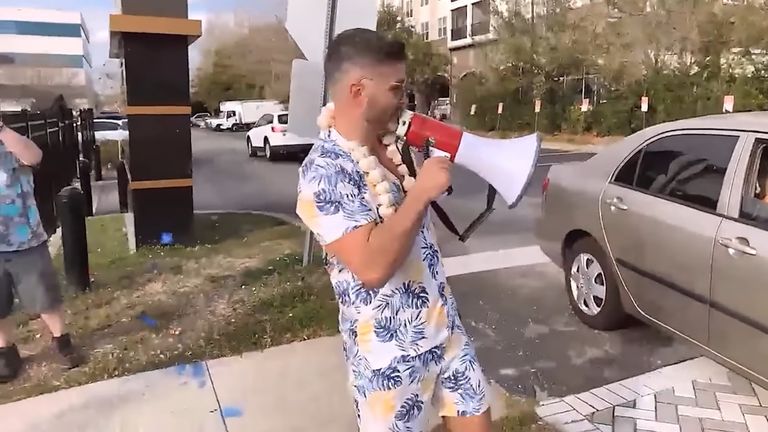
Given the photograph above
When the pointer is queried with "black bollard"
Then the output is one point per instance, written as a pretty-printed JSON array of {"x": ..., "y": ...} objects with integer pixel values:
[
  {"x": 70, "y": 208},
  {"x": 85, "y": 184},
  {"x": 97, "y": 174},
  {"x": 122, "y": 186}
]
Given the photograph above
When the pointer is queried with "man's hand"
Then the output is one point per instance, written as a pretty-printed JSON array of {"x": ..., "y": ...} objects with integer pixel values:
[{"x": 434, "y": 178}]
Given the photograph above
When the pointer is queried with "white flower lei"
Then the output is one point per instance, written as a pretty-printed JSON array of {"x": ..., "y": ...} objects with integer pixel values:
[{"x": 375, "y": 173}]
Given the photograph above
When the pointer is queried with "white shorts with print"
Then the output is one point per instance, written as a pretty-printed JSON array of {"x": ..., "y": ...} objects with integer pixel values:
[{"x": 397, "y": 398}]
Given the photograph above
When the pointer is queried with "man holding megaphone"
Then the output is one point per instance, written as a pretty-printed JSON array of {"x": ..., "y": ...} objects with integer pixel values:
[{"x": 404, "y": 342}]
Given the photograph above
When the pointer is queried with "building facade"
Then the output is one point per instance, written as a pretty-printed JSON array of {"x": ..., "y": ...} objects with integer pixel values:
[{"x": 43, "y": 54}]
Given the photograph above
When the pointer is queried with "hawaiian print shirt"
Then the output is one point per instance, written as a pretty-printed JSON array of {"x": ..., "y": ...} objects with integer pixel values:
[
  {"x": 413, "y": 312},
  {"x": 20, "y": 225}
]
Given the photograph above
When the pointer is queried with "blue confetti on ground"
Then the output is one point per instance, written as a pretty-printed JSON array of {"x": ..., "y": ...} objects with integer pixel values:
[
  {"x": 166, "y": 238},
  {"x": 149, "y": 321},
  {"x": 230, "y": 412},
  {"x": 196, "y": 371}
]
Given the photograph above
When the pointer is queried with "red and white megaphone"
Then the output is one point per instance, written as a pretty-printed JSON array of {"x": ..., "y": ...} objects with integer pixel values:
[{"x": 506, "y": 164}]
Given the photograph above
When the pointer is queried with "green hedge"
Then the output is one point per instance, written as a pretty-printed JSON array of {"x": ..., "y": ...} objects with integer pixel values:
[{"x": 672, "y": 97}]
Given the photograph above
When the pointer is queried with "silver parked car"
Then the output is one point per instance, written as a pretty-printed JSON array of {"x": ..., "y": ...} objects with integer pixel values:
[{"x": 670, "y": 225}]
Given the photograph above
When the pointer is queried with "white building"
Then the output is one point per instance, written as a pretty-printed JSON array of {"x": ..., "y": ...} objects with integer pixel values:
[{"x": 44, "y": 53}]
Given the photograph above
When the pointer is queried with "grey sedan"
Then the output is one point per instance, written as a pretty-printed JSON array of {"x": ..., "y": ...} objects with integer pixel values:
[{"x": 671, "y": 226}]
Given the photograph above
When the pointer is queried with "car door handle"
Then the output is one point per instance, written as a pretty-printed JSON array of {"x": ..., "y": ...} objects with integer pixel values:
[
  {"x": 617, "y": 203},
  {"x": 738, "y": 244}
]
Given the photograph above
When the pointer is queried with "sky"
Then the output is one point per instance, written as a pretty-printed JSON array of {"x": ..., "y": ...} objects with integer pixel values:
[{"x": 96, "y": 16}]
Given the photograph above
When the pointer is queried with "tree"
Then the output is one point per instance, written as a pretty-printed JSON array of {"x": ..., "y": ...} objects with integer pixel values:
[
  {"x": 253, "y": 63},
  {"x": 425, "y": 63}
]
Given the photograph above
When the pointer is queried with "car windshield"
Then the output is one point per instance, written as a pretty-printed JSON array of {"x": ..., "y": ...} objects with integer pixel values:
[{"x": 282, "y": 119}]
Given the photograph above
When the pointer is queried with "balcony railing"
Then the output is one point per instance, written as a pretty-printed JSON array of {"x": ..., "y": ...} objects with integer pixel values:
[
  {"x": 458, "y": 33},
  {"x": 481, "y": 28}
]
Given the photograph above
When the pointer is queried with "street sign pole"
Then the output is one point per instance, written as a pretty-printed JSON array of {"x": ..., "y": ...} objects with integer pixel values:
[{"x": 308, "y": 90}]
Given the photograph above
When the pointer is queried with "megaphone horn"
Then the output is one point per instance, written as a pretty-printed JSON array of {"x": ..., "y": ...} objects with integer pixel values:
[{"x": 506, "y": 164}]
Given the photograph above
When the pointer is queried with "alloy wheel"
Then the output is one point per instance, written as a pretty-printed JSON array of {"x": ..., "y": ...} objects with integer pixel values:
[{"x": 588, "y": 284}]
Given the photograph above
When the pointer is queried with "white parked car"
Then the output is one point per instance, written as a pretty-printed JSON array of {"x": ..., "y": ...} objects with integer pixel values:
[
  {"x": 270, "y": 137},
  {"x": 110, "y": 130}
]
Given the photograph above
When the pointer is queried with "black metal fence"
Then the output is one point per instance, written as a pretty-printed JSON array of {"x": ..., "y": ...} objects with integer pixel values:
[{"x": 63, "y": 137}]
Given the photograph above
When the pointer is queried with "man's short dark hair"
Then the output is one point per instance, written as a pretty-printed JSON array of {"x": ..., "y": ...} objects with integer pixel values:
[{"x": 360, "y": 46}]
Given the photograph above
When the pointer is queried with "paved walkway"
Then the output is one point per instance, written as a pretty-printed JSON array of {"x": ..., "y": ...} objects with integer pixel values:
[
  {"x": 698, "y": 395},
  {"x": 300, "y": 387}
]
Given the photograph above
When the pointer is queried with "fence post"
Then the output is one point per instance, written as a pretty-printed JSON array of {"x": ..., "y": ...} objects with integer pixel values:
[
  {"x": 71, "y": 206},
  {"x": 97, "y": 175},
  {"x": 122, "y": 186},
  {"x": 84, "y": 168}
]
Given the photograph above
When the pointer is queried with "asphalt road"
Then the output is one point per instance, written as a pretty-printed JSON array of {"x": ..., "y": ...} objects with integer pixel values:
[{"x": 526, "y": 336}]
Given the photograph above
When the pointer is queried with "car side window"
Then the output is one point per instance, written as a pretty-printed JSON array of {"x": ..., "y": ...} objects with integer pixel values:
[
  {"x": 627, "y": 174},
  {"x": 262, "y": 121},
  {"x": 105, "y": 126},
  {"x": 688, "y": 168},
  {"x": 754, "y": 202},
  {"x": 269, "y": 119}
]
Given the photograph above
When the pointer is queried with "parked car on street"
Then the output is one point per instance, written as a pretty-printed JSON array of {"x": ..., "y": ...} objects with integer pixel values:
[
  {"x": 670, "y": 225},
  {"x": 110, "y": 130},
  {"x": 270, "y": 137},
  {"x": 198, "y": 120}
]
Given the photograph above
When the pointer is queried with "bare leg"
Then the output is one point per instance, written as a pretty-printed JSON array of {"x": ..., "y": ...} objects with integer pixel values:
[
  {"x": 55, "y": 321},
  {"x": 478, "y": 423},
  {"x": 6, "y": 333}
]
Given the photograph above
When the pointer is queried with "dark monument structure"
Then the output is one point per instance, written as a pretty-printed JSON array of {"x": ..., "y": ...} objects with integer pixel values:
[{"x": 152, "y": 37}]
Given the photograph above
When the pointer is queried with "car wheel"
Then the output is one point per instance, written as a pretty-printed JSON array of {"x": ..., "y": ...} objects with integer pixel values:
[
  {"x": 591, "y": 286},
  {"x": 252, "y": 152},
  {"x": 217, "y": 128},
  {"x": 268, "y": 150}
]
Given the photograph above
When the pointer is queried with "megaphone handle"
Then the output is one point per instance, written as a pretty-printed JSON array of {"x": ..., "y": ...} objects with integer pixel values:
[{"x": 427, "y": 154}]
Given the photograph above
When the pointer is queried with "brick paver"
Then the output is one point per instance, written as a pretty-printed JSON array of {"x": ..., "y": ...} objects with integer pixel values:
[{"x": 700, "y": 396}]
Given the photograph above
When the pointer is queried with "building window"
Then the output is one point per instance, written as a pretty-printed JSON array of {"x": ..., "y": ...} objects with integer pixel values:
[
  {"x": 39, "y": 29},
  {"x": 459, "y": 23},
  {"x": 425, "y": 30},
  {"x": 481, "y": 18},
  {"x": 442, "y": 27},
  {"x": 408, "y": 8},
  {"x": 424, "y": 2}
]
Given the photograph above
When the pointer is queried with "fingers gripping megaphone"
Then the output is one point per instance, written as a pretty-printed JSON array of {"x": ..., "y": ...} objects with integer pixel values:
[{"x": 506, "y": 164}]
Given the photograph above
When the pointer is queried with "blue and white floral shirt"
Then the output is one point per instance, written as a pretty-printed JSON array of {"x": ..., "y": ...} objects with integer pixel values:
[
  {"x": 20, "y": 224},
  {"x": 415, "y": 310}
]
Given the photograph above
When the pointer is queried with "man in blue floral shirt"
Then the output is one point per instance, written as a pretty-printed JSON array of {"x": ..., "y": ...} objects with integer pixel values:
[{"x": 404, "y": 342}]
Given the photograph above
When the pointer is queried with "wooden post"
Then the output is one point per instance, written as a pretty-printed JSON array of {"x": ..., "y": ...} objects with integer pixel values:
[{"x": 153, "y": 40}]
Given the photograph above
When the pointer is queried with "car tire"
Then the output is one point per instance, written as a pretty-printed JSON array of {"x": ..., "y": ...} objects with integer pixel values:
[
  {"x": 252, "y": 152},
  {"x": 271, "y": 156},
  {"x": 586, "y": 286},
  {"x": 217, "y": 128}
]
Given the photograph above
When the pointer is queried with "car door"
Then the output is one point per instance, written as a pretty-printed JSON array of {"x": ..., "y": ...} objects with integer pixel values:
[
  {"x": 660, "y": 214},
  {"x": 739, "y": 305},
  {"x": 258, "y": 130}
]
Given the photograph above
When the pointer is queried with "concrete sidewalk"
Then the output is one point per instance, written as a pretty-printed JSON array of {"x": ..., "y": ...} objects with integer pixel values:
[{"x": 293, "y": 388}]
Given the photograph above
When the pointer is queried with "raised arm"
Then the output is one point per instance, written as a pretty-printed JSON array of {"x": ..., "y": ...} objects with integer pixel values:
[
  {"x": 373, "y": 252},
  {"x": 27, "y": 152}
]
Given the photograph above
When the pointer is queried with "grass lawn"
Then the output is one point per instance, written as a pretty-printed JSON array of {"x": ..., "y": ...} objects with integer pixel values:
[{"x": 241, "y": 288}]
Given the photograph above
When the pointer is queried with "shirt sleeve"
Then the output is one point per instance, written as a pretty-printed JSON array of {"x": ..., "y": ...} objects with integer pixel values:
[{"x": 331, "y": 200}]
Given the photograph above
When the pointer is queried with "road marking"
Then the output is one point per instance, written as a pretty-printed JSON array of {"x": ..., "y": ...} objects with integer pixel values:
[{"x": 494, "y": 260}]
